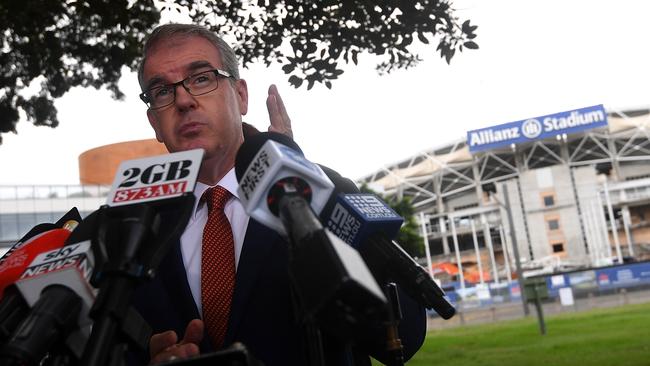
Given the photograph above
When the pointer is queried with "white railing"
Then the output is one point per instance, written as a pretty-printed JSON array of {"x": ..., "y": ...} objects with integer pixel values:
[{"x": 33, "y": 192}]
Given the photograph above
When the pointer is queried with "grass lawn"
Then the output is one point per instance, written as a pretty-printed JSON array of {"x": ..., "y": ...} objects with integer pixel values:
[{"x": 616, "y": 336}]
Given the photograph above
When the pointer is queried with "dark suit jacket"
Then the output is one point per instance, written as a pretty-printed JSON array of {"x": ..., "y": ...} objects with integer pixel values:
[{"x": 262, "y": 313}]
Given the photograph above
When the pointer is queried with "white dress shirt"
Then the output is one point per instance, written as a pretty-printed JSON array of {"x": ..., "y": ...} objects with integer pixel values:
[{"x": 192, "y": 237}]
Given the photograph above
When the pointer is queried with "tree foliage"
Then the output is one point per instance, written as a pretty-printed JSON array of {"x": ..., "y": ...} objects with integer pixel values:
[
  {"x": 322, "y": 34},
  {"x": 409, "y": 234},
  {"x": 63, "y": 44}
]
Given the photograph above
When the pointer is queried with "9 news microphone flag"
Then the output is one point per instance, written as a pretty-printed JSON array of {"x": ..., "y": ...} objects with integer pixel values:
[{"x": 368, "y": 224}]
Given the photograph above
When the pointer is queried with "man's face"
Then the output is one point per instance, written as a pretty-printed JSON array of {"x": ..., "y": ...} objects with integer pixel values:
[{"x": 211, "y": 121}]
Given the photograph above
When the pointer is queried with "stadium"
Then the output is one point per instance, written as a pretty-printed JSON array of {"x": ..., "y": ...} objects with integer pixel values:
[
  {"x": 576, "y": 185},
  {"x": 540, "y": 192}
]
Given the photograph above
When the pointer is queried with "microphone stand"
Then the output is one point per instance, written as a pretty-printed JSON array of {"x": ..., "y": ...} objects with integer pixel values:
[
  {"x": 120, "y": 279},
  {"x": 314, "y": 341},
  {"x": 393, "y": 342},
  {"x": 345, "y": 300},
  {"x": 128, "y": 239}
]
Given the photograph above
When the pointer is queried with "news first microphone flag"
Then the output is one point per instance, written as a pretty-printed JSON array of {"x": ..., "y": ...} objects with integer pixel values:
[
  {"x": 271, "y": 163},
  {"x": 284, "y": 191}
]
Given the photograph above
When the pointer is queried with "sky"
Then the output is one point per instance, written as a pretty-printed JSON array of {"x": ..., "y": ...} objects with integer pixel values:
[{"x": 535, "y": 58}]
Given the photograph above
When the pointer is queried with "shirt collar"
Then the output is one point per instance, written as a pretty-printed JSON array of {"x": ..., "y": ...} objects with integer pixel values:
[{"x": 229, "y": 182}]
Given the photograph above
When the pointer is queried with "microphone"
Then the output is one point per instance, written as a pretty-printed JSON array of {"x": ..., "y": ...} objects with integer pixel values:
[
  {"x": 283, "y": 190},
  {"x": 40, "y": 238},
  {"x": 55, "y": 286},
  {"x": 22, "y": 253},
  {"x": 366, "y": 223},
  {"x": 129, "y": 242},
  {"x": 267, "y": 158}
]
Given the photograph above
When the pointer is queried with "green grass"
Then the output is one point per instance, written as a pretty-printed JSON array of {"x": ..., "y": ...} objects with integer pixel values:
[{"x": 616, "y": 336}]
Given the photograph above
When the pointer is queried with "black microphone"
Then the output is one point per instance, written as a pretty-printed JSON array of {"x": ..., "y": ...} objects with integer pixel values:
[
  {"x": 42, "y": 237},
  {"x": 129, "y": 242},
  {"x": 283, "y": 190},
  {"x": 55, "y": 286},
  {"x": 367, "y": 223}
]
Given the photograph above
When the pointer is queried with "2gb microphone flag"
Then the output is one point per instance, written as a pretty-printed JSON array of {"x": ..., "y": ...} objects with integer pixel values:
[{"x": 155, "y": 178}]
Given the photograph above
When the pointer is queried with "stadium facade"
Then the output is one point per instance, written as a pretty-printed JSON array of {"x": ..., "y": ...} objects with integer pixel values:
[{"x": 577, "y": 185}]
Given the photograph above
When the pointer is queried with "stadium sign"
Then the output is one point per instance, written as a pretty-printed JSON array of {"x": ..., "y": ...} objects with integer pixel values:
[{"x": 537, "y": 128}]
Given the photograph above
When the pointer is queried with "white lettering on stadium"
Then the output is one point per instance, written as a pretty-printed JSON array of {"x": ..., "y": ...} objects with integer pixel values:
[
  {"x": 574, "y": 119},
  {"x": 490, "y": 136}
]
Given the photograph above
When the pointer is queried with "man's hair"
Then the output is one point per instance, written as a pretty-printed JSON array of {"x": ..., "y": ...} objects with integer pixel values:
[{"x": 167, "y": 32}]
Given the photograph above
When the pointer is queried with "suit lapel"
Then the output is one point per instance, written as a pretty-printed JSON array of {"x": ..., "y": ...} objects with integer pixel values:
[
  {"x": 175, "y": 281},
  {"x": 255, "y": 251}
]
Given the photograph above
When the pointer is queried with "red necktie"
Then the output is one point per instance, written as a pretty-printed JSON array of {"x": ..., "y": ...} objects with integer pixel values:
[{"x": 217, "y": 266}]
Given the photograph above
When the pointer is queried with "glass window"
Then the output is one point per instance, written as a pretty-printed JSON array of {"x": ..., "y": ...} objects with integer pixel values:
[
  {"x": 549, "y": 201},
  {"x": 9, "y": 227},
  {"x": 553, "y": 224},
  {"x": 43, "y": 217},
  {"x": 558, "y": 247},
  {"x": 26, "y": 221}
]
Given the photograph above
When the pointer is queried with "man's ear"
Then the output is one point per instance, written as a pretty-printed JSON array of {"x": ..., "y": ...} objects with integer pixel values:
[
  {"x": 241, "y": 89},
  {"x": 153, "y": 121}
]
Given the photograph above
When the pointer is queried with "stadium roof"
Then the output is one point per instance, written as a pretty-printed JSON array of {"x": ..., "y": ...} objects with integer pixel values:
[{"x": 427, "y": 163}]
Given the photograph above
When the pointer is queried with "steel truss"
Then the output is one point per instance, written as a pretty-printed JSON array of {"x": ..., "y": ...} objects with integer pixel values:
[{"x": 434, "y": 178}]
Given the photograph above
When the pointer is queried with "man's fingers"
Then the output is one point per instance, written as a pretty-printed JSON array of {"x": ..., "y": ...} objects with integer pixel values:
[
  {"x": 176, "y": 351},
  {"x": 161, "y": 341},
  {"x": 273, "y": 90},
  {"x": 278, "y": 116},
  {"x": 274, "y": 113},
  {"x": 194, "y": 332},
  {"x": 165, "y": 347}
]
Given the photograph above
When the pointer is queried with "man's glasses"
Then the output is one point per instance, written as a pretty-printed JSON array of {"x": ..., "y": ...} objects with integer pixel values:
[{"x": 197, "y": 84}]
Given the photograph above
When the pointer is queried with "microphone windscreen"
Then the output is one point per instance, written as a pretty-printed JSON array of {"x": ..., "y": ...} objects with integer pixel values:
[
  {"x": 36, "y": 230},
  {"x": 253, "y": 144},
  {"x": 12, "y": 268},
  {"x": 72, "y": 215},
  {"x": 85, "y": 230},
  {"x": 341, "y": 186}
]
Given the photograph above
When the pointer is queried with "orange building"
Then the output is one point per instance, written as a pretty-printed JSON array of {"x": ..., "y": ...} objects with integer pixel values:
[{"x": 98, "y": 165}]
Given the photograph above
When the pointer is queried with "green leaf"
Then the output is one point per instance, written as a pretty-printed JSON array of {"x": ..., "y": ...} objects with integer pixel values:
[
  {"x": 295, "y": 81},
  {"x": 261, "y": 30},
  {"x": 465, "y": 26},
  {"x": 449, "y": 55},
  {"x": 471, "y": 45}
]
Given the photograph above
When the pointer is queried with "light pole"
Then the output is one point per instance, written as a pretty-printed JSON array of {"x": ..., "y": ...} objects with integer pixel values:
[{"x": 513, "y": 240}]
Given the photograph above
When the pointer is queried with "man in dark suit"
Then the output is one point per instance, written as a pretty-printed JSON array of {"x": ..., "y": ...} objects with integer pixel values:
[{"x": 196, "y": 99}]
